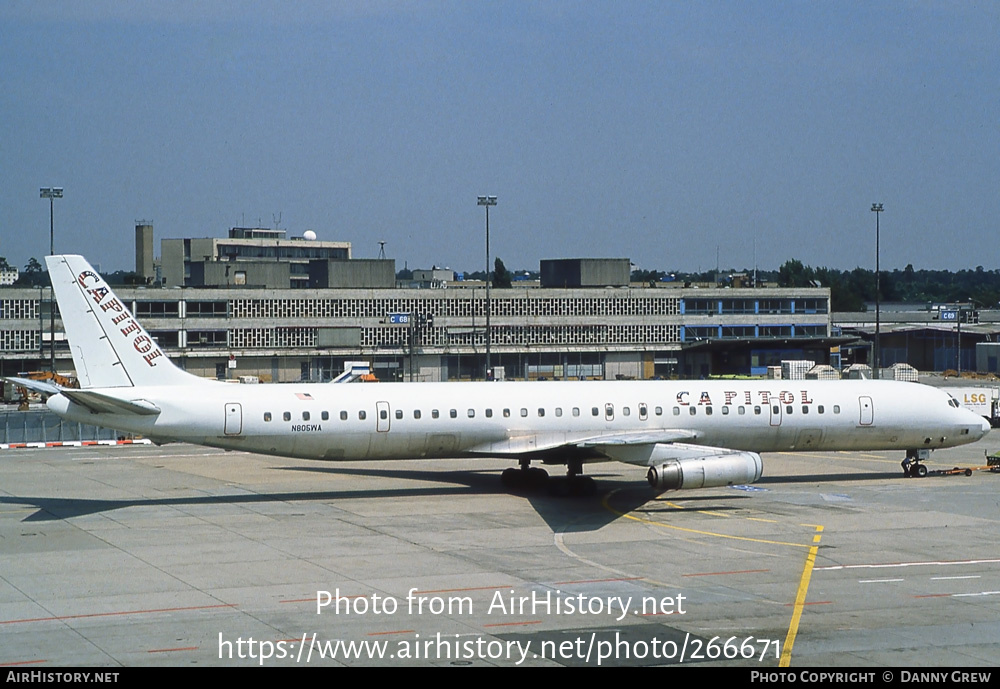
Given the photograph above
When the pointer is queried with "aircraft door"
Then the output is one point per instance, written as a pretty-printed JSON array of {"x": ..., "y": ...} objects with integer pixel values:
[
  {"x": 234, "y": 418},
  {"x": 775, "y": 405},
  {"x": 867, "y": 411},
  {"x": 382, "y": 417}
]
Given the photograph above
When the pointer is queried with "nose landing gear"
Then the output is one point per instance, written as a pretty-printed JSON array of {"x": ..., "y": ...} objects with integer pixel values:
[{"x": 911, "y": 463}]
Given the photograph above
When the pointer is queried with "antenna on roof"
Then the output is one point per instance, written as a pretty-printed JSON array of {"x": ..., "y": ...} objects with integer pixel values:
[{"x": 381, "y": 250}]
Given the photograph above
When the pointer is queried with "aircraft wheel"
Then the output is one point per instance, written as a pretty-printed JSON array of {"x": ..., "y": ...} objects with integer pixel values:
[
  {"x": 536, "y": 477},
  {"x": 920, "y": 470},
  {"x": 968, "y": 472},
  {"x": 511, "y": 478}
]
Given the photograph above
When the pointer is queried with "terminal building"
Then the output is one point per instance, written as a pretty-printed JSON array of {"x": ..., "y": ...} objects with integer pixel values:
[
  {"x": 439, "y": 334},
  {"x": 261, "y": 304}
]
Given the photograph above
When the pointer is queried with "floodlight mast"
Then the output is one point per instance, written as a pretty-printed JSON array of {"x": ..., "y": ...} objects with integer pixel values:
[
  {"x": 487, "y": 201},
  {"x": 877, "y": 210},
  {"x": 51, "y": 193}
]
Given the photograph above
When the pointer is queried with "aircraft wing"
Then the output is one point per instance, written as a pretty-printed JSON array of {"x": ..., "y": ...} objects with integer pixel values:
[
  {"x": 547, "y": 443},
  {"x": 99, "y": 403},
  {"x": 652, "y": 453}
]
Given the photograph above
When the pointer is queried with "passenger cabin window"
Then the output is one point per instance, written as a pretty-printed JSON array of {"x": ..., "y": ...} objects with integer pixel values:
[
  {"x": 595, "y": 412},
  {"x": 725, "y": 410},
  {"x": 267, "y": 416},
  {"x": 489, "y": 413},
  {"x": 453, "y": 413},
  {"x": 658, "y": 411},
  {"x": 805, "y": 409},
  {"x": 325, "y": 415},
  {"x": 541, "y": 411},
  {"x": 506, "y": 413},
  {"x": 819, "y": 409},
  {"x": 524, "y": 412},
  {"x": 756, "y": 410},
  {"x": 677, "y": 411},
  {"x": 305, "y": 416},
  {"x": 363, "y": 415},
  {"x": 693, "y": 410},
  {"x": 558, "y": 411},
  {"x": 399, "y": 413},
  {"x": 576, "y": 411},
  {"x": 708, "y": 411},
  {"x": 836, "y": 409},
  {"x": 435, "y": 413},
  {"x": 383, "y": 415},
  {"x": 343, "y": 416},
  {"x": 287, "y": 416},
  {"x": 626, "y": 411},
  {"x": 472, "y": 413},
  {"x": 416, "y": 413}
]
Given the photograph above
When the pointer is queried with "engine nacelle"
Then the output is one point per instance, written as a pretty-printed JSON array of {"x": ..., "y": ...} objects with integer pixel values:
[{"x": 706, "y": 472}]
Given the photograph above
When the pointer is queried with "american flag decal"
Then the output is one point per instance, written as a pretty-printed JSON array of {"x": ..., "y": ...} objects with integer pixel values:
[{"x": 303, "y": 395}]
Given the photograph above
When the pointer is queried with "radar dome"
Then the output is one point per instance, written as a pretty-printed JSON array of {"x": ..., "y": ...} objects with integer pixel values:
[{"x": 309, "y": 236}]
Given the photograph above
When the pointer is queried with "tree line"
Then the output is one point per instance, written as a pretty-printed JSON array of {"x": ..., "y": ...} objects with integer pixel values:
[{"x": 851, "y": 290}]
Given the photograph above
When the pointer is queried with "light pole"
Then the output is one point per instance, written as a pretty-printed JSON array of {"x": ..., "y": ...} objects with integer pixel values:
[
  {"x": 487, "y": 201},
  {"x": 877, "y": 210},
  {"x": 51, "y": 193}
]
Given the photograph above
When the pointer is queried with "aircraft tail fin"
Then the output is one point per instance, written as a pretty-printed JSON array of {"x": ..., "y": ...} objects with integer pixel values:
[{"x": 110, "y": 348}]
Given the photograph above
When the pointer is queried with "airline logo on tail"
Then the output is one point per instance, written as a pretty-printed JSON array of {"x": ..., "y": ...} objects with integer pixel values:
[{"x": 141, "y": 342}]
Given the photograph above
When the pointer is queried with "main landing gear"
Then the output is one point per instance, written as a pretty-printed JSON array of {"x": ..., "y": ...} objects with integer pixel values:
[
  {"x": 911, "y": 463},
  {"x": 534, "y": 478}
]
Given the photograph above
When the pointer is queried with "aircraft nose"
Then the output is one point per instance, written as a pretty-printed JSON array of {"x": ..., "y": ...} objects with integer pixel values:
[{"x": 985, "y": 427}]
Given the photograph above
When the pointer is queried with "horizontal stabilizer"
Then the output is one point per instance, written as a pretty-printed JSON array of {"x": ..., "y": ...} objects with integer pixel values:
[
  {"x": 99, "y": 403},
  {"x": 39, "y": 386}
]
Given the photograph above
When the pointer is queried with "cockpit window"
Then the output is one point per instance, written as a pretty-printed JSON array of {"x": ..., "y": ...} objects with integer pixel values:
[{"x": 953, "y": 402}]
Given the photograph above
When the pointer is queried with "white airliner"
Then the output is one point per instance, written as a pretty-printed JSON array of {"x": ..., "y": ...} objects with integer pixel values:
[{"x": 687, "y": 434}]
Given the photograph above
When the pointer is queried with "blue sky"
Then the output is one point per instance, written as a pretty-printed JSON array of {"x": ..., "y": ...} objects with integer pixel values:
[{"x": 667, "y": 132}]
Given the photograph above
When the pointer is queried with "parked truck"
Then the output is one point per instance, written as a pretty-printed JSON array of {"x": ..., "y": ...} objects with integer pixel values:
[{"x": 982, "y": 400}]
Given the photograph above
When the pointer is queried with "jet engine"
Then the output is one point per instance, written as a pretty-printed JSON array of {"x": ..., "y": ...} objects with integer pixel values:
[{"x": 706, "y": 472}]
